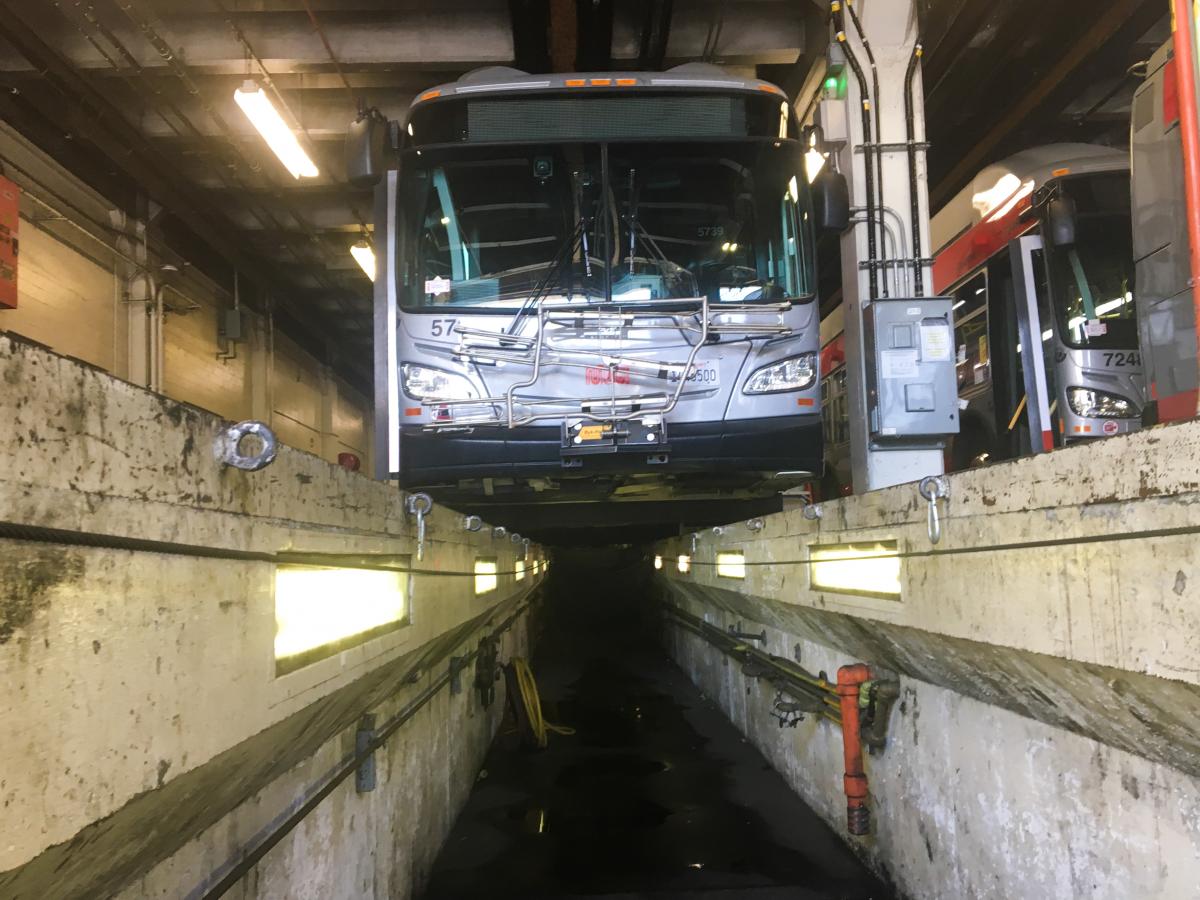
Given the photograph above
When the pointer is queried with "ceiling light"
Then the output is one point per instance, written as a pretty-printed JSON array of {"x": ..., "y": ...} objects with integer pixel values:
[
  {"x": 267, "y": 121},
  {"x": 364, "y": 255}
]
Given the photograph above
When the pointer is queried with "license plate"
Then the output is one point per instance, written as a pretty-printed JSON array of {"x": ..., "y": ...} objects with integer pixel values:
[{"x": 702, "y": 376}]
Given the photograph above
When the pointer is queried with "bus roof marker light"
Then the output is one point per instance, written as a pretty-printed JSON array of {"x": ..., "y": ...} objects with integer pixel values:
[
  {"x": 364, "y": 255},
  {"x": 269, "y": 124}
]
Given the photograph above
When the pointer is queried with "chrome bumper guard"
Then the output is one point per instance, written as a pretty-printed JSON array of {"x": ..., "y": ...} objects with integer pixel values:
[{"x": 692, "y": 318}]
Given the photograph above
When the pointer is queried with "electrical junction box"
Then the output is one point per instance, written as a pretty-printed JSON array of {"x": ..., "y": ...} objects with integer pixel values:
[
  {"x": 912, "y": 391},
  {"x": 232, "y": 325}
]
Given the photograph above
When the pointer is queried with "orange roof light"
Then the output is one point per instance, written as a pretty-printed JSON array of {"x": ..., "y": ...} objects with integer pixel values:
[
  {"x": 601, "y": 82},
  {"x": 576, "y": 82},
  {"x": 1059, "y": 173},
  {"x": 429, "y": 95},
  {"x": 626, "y": 82},
  {"x": 771, "y": 89}
]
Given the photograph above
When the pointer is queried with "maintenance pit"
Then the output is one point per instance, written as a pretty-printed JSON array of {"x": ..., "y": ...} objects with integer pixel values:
[{"x": 540, "y": 449}]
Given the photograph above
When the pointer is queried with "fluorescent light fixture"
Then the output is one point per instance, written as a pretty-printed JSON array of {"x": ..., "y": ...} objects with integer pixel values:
[
  {"x": 266, "y": 120},
  {"x": 731, "y": 564},
  {"x": 485, "y": 576},
  {"x": 364, "y": 255},
  {"x": 683, "y": 564},
  {"x": 958, "y": 304},
  {"x": 519, "y": 570},
  {"x": 319, "y": 607},
  {"x": 658, "y": 562},
  {"x": 871, "y": 570}
]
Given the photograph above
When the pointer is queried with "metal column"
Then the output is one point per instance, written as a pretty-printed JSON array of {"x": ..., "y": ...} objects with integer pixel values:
[{"x": 890, "y": 26}]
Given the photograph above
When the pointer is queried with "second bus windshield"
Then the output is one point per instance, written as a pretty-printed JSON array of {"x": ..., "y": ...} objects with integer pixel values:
[
  {"x": 491, "y": 227},
  {"x": 1091, "y": 281}
]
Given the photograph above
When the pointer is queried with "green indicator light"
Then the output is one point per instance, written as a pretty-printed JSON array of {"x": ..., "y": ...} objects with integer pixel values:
[{"x": 831, "y": 83}]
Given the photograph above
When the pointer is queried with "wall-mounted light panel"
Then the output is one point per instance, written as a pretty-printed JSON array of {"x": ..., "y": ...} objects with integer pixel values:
[
  {"x": 320, "y": 610},
  {"x": 486, "y": 579},
  {"x": 731, "y": 564},
  {"x": 864, "y": 569}
]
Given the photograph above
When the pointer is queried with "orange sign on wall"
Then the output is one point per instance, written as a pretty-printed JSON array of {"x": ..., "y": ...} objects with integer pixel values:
[{"x": 10, "y": 211}]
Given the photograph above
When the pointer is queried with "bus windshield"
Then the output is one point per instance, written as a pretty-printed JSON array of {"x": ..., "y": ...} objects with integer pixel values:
[
  {"x": 1091, "y": 281},
  {"x": 497, "y": 228}
]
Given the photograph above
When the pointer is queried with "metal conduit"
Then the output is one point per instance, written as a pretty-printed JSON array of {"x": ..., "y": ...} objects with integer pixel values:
[
  {"x": 788, "y": 676},
  {"x": 349, "y": 766}
]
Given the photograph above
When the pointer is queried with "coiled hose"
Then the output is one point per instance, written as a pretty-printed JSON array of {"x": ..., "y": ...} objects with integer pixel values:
[{"x": 532, "y": 704}]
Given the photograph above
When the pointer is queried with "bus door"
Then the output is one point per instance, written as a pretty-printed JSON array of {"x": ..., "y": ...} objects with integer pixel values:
[
  {"x": 975, "y": 442},
  {"x": 1035, "y": 329}
]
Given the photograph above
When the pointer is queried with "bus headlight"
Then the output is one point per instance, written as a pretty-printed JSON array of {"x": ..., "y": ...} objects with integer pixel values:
[
  {"x": 426, "y": 383},
  {"x": 794, "y": 374},
  {"x": 1099, "y": 405}
]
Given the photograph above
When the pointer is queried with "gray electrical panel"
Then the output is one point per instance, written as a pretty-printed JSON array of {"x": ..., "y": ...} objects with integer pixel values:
[
  {"x": 231, "y": 325},
  {"x": 912, "y": 391}
]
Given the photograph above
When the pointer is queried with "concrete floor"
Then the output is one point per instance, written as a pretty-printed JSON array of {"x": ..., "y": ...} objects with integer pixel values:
[{"x": 656, "y": 794}]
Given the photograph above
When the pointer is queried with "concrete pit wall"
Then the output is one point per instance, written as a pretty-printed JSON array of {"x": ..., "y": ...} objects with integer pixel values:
[
  {"x": 1045, "y": 742},
  {"x": 150, "y": 740}
]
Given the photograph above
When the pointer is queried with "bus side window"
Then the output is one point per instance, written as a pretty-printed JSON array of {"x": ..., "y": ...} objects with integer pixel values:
[{"x": 971, "y": 334}]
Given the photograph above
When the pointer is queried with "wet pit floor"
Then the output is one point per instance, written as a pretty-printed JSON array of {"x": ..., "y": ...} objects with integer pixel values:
[{"x": 655, "y": 795}]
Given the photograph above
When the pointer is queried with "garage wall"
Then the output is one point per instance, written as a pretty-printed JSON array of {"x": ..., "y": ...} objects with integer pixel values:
[
  {"x": 71, "y": 300},
  {"x": 66, "y": 301},
  {"x": 191, "y": 370}
]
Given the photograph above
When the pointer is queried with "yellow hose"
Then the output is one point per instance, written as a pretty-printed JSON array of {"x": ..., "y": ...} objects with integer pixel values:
[{"x": 533, "y": 704}]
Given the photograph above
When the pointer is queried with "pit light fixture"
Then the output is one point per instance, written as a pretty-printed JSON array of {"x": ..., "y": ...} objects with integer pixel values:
[
  {"x": 364, "y": 255},
  {"x": 866, "y": 569},
  {"x": 267, "y": 122},
  {"x": 316, "y": 606}
]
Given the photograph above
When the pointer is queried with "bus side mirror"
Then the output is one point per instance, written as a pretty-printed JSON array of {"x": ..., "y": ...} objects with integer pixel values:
[
  {"x": 364, "y": 148},
  {"x": 831, "y": 201},
  {"x": 1060, "y": 220}
]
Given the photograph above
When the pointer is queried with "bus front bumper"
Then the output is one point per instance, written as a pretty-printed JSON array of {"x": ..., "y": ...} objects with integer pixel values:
[{"x": 780, "y": 444}]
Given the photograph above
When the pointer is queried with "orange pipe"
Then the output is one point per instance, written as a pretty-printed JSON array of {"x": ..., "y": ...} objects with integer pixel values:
[
  {"x": 849, "y": 680},
  {"x": 1185, "y": 70}
]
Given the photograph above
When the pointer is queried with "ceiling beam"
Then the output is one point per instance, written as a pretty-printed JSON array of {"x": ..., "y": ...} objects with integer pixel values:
[
  {"x": 1121, "y": 22},
  {"x": 284, "y": 41},
  {"x": 531, "y": 34}
]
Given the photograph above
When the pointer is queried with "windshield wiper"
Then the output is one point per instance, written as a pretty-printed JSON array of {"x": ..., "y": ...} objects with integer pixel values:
[{"x": 565, "y": 251}]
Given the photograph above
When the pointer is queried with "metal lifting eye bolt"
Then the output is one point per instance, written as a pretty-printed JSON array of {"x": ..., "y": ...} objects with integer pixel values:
[
  {"x": 419, "y": 505},
  {"x": 933, "y": 488},
  {"x": 227, "y": 446},
  {"x": 472, "y": 523}
]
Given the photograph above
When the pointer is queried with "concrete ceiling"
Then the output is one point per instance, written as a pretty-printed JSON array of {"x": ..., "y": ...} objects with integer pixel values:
[{"x": 136, "y": 96}]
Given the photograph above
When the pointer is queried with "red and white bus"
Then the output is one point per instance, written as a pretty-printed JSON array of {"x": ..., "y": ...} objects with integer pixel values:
[{"x": 1036, "y": 251}]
